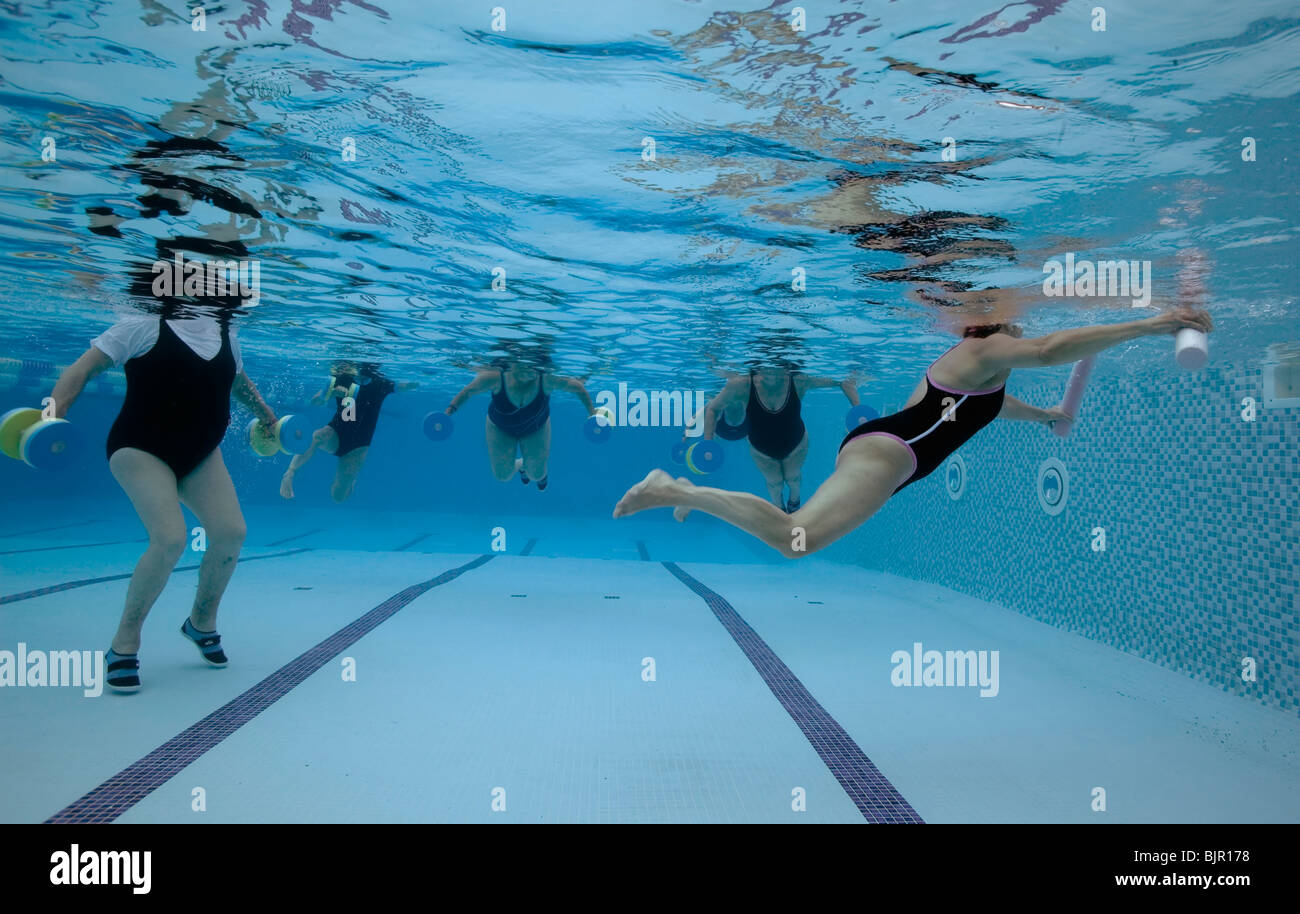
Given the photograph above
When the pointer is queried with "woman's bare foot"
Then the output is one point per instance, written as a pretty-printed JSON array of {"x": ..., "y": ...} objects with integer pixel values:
[
  {"x": 657, "y": 490},
  {"x": 286, "y": 486}
]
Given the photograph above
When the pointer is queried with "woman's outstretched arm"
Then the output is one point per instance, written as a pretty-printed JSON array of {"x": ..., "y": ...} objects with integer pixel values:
[
  {"x": 246, "y": 392},
  {"x": 576, "y": 387},
  {"x": 482, "y": 381},
  {"x": 734, "y": 391},
  {"x": 848, "y": 386},
  {"x": 1000, "y": 351},
  {"x": 73, "y": 379}
]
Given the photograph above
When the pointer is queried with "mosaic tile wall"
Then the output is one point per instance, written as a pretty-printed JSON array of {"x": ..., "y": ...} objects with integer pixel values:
[{"x": 1201, "y": 513}]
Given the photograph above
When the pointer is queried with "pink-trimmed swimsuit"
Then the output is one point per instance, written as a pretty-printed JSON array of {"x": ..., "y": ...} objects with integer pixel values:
[{"x": 931, "y": 429}]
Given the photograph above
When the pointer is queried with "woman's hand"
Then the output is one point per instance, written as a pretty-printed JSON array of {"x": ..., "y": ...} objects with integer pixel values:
[
  {"x": 266, "y": 429},
  {"x": 1055, "y": 415},
  {"x": 1178, "y": 318},
  {"x": 849, "y": 386}
]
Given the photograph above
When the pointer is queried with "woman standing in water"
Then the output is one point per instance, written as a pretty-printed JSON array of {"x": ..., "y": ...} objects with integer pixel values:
[
  {"x": 348, "y": 434},
  {"x": 164, "y": 451}
]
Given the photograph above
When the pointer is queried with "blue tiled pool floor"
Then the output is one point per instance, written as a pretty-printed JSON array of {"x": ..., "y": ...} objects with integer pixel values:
[{"x": 523, "y": 682}]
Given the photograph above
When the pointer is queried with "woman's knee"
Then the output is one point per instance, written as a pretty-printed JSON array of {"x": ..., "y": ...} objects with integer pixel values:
[
  {"x": 791, "y": 550},
  {"x": 226, "y": 530},
  {"x": 797, "y": 552},
  {"x": 325, "y": 439},
  {"x": 801, "y": 541},
  {"x": 169, "y": 542},
  {"x": 503, "y": 471},
  {"x": 229, "y": 534},
  {"x": 341, "y": 491}
]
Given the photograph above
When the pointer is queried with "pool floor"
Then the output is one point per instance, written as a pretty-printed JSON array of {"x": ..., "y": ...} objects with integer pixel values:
[{"x": 532, "y": 687}]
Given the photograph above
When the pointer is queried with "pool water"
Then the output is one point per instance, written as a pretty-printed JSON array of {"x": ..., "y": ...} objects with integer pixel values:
[{"x": 647, "y": 196}]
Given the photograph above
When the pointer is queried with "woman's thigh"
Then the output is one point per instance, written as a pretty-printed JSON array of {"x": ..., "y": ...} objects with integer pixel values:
[
  {"x": 209, "y": 492},
  {"x": 151, "y": 486}
]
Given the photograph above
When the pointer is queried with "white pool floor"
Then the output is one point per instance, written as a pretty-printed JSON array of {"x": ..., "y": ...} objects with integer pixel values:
[{"x": 521, "y": 683}]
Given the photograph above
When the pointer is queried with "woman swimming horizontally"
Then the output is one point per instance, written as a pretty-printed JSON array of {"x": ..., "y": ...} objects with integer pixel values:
[{"x": 963, "y": 391}]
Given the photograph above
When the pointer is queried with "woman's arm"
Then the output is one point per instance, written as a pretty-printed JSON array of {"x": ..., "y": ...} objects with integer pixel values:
[
  {"x": 324, "y": 394},
  {"x": 849, "y": 386},
  {"x": 1019, "y": 409},
  {"x": 809, "y": 382},
  {"x": 406, "y": 385},
  {"x": 246, "y": 392},
  {"x": 482, "y": 381},
  {"x": 73, "y": 379},
  {"x": 1000, "y": 352},
  {"x": 577, "y": 388},
  {"x": 733, "y": 391}
]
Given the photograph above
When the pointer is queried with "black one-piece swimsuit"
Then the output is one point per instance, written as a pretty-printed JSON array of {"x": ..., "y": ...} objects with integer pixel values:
[
  {"x": 360, "y": 431},
  {"x": 177, "y": 405},
  {"x": 936, "y": 425},
  {"x": 774, "y": 433}
]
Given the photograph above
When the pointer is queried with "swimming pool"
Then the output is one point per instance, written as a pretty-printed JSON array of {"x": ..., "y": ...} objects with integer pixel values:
[{"x": 657, "y": 200}]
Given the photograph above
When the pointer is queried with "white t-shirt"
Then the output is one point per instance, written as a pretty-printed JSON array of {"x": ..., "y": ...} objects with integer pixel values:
[{"x": 135, "y": 334}]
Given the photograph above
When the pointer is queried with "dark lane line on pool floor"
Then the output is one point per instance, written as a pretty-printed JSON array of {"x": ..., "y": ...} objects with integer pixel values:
[
  {"x": 86, "y": 582},
  {"x": 419, "y": 539},
  {"x": 296, "y": 536},
  {"x": 72, "y": 546},
  {"x": 135, "y": 782},
  {"x": 80, "y": 523},
  {"x": 528, "y": 547},
  {"x": 876, "y": 798},
  {"x": 642, "y": 551}
]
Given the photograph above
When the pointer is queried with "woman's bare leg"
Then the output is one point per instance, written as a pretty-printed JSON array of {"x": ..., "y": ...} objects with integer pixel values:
[
  {"x": 792, "y": 469},
  {"x": 345, "y": 476},
  {"x": 501, "y": 452},
  {"x": 866, "y": 474},
  {"x": 151, "y": 486},
  {"x": 324, "y": 438},
  {"x": 209, "y": 493},
  {"x": 772, "y": 476},
  {"x": 536, "y": 451}
]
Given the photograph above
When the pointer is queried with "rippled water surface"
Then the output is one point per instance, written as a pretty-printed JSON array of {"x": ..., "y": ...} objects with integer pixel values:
[{"x": 645, "y": 176}]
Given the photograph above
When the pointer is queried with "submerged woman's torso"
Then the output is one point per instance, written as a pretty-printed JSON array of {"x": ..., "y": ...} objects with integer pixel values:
[{"x": 519, "y": 388}]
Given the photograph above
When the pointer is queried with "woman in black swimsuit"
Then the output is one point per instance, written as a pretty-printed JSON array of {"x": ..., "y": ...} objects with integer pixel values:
[
  {"x": 348, "y": 434},
  {"x": 182, "y": 361},
  {"x": 519, "y": 417},
  {"x": 164, "y": 451},
  {"x": 962, "y": 391},
  {"x": 772, "y": 399}
]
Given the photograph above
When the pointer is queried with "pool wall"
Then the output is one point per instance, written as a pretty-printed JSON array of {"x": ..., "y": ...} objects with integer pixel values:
[{"x": 1198, "y": 505}]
